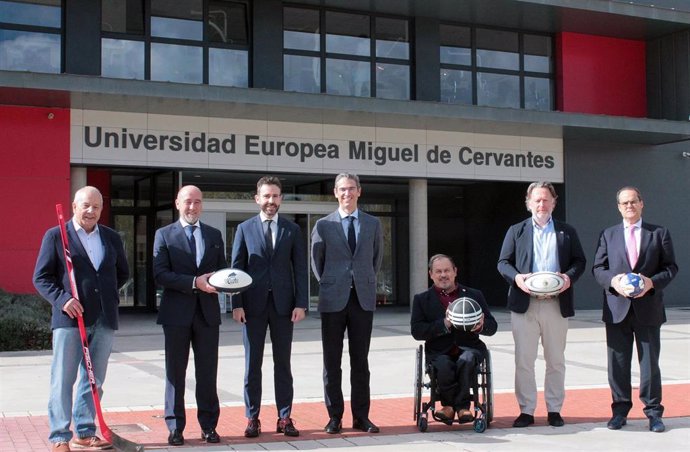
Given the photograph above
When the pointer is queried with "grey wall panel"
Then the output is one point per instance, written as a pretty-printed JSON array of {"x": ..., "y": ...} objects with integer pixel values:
[
  {"x": 654, "y": 105},
  {"x": 267, "y": 44},
  {"x": 596, "y": 170},
  {"x": 427, "y": 62},
  {"x": 83, "y": 37},
  {"x": 681, "y": 44},
  {"x": 668, "y": 77}
]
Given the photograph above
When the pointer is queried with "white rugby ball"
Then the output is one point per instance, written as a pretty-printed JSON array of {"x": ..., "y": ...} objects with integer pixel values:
[
  {"x": 544, "y": 283},
  {"x": 230, "y": 280}
]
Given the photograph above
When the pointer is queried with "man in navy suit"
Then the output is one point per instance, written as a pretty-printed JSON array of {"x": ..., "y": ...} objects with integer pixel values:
[
  {"x": 454, "y": 353},
  {"x": 645, "y": 249},
  {"x": 347, "y": 250},
  {"x": 271, "y": 250},
  {"x": 100, "y": 269},
  {"x": 185, "y": 254},
  {"x": 537, "y": 244}
]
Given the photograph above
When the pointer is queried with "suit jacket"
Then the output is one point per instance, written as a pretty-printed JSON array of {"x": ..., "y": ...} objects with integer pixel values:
[
  {"x": 656, "y": 261},
  {"x": 335, "y": 266},
  {"x": 285, "y": 271},
  {"x": 174, "y": 268},
  {"x": 517, "y": 255},
  {"x": 427, "y": 323},
  {"x": 97, "y": 287}
]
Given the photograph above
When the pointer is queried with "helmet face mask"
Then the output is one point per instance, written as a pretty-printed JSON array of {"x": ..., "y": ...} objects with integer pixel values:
[{"x": 464, "y": 313}]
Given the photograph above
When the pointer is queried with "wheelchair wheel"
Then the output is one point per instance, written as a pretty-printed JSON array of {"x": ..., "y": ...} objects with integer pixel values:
[
  {"x": 418, "y": 384},
  {"x": 422, "y": 424},
  {"x": 489, "y": 389},
  {"x": 479, "y": 425}
]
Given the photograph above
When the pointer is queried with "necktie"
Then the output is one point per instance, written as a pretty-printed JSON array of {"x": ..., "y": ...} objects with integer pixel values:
[
  {"x": 351, "y": 239},
  {"x": 268, "y": 236},
  {"x": 192, "y": 241},
  {"x": 631, "y": 246}
]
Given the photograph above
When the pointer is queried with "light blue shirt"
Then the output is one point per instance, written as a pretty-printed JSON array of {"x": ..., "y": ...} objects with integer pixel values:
[
  {"x": 92, "y": 243},
  {"x": 545, "y": 250},
  {"x": 346, "y": 223}
]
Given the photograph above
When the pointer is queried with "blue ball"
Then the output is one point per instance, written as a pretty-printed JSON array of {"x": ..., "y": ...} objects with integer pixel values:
[{"x": 632, "y": 283}]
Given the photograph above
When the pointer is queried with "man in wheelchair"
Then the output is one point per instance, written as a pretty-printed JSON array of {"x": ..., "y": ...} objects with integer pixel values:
[{"x": 452, "y": 345}]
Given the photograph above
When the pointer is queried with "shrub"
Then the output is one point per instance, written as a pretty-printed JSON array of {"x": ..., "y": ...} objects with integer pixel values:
[{"x": 24, "y": 322}]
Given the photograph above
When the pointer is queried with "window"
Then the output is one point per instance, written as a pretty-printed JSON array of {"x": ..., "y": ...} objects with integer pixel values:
[
  {"x": 345, "y": 53},
  {"x": 190, "y": 41},
  {"x": 497, "y": 68},
  {"x": 30, "y": 35}
]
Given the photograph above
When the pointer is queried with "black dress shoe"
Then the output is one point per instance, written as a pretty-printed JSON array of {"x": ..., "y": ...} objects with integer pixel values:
[
  {"x": 555, "y": 419},
  {"x": 365, "y": 425},
  {"x": 523, "y": 420},
  {"x": 210, "y": 436},
  {"x": 335, "y": 424},
  {"x": 287, "y": 427},
  {"x": 656, "y": 425},
  {"x": 175, "y": 438},
  {"x": 616, "y": 422},
  {"x": 253, "y": 428}
]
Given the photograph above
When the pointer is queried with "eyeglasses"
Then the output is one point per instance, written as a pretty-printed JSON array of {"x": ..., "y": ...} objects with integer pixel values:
[{"x": 629, "y": 203}]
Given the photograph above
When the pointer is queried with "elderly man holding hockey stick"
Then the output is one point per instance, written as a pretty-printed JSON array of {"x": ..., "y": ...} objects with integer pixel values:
[{"x": 100, "y": 268}]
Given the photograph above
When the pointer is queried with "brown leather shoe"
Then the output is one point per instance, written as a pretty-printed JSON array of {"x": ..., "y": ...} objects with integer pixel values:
[
  {"x": 90, "y": 443},
  {"x": 446, "y": 414},
  {"x": 287, "y": 427},
  {"x": 253, "y": 428},
  {"x": 60, "y": 447}
]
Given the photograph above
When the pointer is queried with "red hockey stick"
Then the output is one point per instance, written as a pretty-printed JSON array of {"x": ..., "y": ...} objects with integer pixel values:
[{"x": 113, "y": 438}]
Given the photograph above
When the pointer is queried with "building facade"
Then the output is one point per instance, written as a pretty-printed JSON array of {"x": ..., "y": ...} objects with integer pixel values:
[{"x": 447, "y": 110}]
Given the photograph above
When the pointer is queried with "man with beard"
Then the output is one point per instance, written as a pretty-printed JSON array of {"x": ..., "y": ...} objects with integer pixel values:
[
  {"x": 453, "y": 353},
  {"x": 538, "y": 244},
  {"x": 185, "y": 254},
  {"x": 271, "y": 250}
]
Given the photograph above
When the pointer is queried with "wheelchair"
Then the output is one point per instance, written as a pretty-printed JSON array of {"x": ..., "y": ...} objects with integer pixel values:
[{"x": 482, "y": 394}]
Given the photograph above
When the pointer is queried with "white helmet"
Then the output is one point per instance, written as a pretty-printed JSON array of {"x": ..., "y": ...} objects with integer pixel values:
[{"x": 464, "y": 313}]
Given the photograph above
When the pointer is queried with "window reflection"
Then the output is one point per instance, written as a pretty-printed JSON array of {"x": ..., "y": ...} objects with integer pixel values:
[
  {"x": 122, "y": 59},
  {"x": 498, "y": 90},
  {"x": 176, "y": 63},
  {"x": 392, "y": 81},
  {"x": 348, "y": 78},
  {"x": 392, "y": 38},
  {"x": 227, "y": 23},
  {"x": 456, "y": 86},
  {"x": 27, "y": 51},
  {"x": 347, "y": 34},
  {"x": 165, "y": 27},
  {"x": 497, "y": 49},
  {"x": 228, "y": 67},
  {"x": 302, "y": 74},
  {"x": 538, "y": 94},
  {"x": 301, "y": 29},
  {"x": 42, "y": 13},
  {"x": 537, "y": 53}
]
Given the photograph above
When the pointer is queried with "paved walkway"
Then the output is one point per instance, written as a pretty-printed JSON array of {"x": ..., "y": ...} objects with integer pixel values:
[{"x": 134, "y": 391}]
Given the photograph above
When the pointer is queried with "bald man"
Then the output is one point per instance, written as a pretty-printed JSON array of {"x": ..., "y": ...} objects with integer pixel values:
[
  {"x": 100, "y": 269},
  {"x": 185, "y": 254}
]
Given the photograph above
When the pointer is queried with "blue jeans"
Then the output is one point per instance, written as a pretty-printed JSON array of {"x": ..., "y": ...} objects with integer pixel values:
[{"x": 68, "y": 358}]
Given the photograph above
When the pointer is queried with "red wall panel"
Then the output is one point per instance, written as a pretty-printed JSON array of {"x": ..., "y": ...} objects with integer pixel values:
[
  {"x": 34, "y": 156},
  {"x": 600, "y": 75}
]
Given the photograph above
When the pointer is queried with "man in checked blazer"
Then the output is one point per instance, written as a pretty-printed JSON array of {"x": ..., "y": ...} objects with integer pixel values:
[
  {"x": 271, "y": 249},
  {"x": 347, "y": 250},
  {"x": 646, "y": 249},
  {"x": 185, "y": 254}
]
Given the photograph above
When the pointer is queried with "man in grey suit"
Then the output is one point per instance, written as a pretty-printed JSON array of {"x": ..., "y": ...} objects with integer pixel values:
[
  {"x": 645, "y": 249},
  {"x": 185, "y": 254},
  {"x": 347, "y": 250},
  {"x": 271, "y": 249}
]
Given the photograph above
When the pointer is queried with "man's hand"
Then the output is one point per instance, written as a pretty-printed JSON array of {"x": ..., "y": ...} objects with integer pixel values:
[
  {"x": 520, "y": 281},
  {"x": 446, "y": 321},
  {"x": 238, "y": 315},
  {"x": 73, "y": 308},
  {"x": 203, "y": 285},
  {"x": 479, "y": 326},
  {"x": 648, "y": 285},
  {"x": 298, "y": 314},
  {"x": 566, "y": 284}
]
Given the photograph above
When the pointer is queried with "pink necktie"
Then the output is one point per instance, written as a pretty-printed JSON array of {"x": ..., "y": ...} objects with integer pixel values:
[{"x": 632, "y": 247}]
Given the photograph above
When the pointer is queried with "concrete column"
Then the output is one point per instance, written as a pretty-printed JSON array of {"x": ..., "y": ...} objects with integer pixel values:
[
  {"x": 419, "y": 244},
  {"x": 77, "y": 180}
]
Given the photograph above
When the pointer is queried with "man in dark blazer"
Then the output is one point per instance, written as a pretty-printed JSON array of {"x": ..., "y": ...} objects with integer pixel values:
[
  {"x": 271, "y": 249},
  {"x": 347, "y": 250},
  {"x": 185, "y": 254},
  {"x": 454, "y": 353},
  {"x": 646, "y": 249},
  {"x": 100, "y": 269},
  {"x": 540, "y": 243}
]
